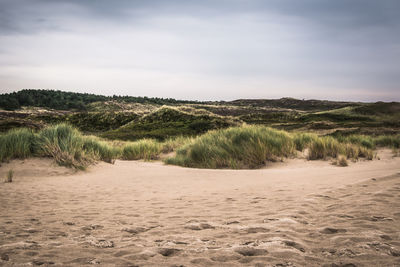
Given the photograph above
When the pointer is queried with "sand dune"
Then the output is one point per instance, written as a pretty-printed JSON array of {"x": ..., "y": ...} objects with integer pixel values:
[{"x": 297, "y": 213}]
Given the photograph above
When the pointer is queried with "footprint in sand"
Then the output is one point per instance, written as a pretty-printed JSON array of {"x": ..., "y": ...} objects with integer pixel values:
[
  {"x": 380, "y": 218},
  {"x": 224, "y": 257},
  {"x": 199, "y": 226},
  {"x": 249, "y": 251},
  {"x": 135, "y": 230},
  {"x": 92, "y": 227},
  {"x": 295, "y": 245},
  {"x": 232, "y": 222},
  {"x": 385, "y": 237},
  {"x": 42, "y": 262},
  {"x": 168, "y": 252},
  {"x": 202, "y": 261},
  {"x": 254, "y": 230},
  {"x": 329, "y": 230}
]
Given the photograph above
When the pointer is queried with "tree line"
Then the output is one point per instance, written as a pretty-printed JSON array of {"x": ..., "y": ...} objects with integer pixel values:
[{"x": 61, "y": 100}]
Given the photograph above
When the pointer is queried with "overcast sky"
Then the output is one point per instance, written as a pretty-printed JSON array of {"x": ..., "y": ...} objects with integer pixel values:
[{"x": 204, "y": 49}]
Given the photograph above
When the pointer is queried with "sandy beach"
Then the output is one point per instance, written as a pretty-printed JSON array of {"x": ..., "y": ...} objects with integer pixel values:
[{"x": 135, "y": 213}]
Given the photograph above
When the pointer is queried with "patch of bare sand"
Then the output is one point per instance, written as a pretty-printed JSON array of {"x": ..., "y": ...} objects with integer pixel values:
[{"x": 297, "y": 213}]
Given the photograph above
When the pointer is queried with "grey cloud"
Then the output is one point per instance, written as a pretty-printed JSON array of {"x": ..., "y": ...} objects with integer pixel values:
[
  {"x": 25, "y": 15},
  {"x": 322, "y": 44}
]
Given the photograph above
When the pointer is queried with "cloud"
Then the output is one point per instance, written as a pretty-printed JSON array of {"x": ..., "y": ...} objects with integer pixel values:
[{"x": 204, "y": 49}]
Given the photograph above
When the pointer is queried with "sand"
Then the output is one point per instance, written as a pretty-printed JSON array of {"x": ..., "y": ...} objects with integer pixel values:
[{"x": 133, "y": 213}]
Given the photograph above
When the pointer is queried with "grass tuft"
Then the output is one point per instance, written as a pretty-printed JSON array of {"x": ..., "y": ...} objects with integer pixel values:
[
  {"x": 70, "y": 148},
  {"x": 100, "y": 150},
  {"x": 237, "y": 147},
  {"x": 18, "y": 143},
  {"x": 146, "y": 149},
  {"x": 9, "y": 177},
  {"x": 252, "y": 146},
  {"x": 341, "y": 161}
]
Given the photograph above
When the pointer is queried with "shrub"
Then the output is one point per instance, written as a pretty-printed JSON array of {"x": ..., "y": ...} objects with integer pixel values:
[{"x": 147, "y": 149}]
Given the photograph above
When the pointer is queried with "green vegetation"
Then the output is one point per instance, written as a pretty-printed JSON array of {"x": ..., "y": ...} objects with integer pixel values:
[
  {"x": 62, "y": 142},
  {"x": 244, "y": 147},
  {"x": 168, "y": 122},
  {"x": 100, "y": 121},
  {"x": 200, "y": 132},
  {"x": 371, "y": 142},
  {"x": 69, "y": 148},
  {"x": 133, "y": 118},
  {"x": 70, "y": 101},
  {"x": 251, "y": 146},
  {"x": 235, "y": 147},
  {"x": 17, "y": 143},
  {"x": 172, "y": 144},
  {"x": 144, "y": 149},
  {"x": 303, "y": 140},
  {"x": 327, "y": 146}
]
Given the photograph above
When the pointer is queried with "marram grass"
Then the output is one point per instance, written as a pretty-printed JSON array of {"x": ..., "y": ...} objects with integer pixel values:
[
  {"x": 62, "y": 142},
  {"x": 147, "y": 149},
  {"x": 18, "y": 143},
  {"x": 252, "y": 146},
  {"x": 236, "y": 147}
]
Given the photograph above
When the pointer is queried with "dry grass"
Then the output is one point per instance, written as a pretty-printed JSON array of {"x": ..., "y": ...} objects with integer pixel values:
[{"x": 9, "y": 177}]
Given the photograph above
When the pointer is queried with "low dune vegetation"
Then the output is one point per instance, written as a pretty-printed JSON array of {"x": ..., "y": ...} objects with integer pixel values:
[
  {"x": 62, "y": 142},
  {"x": 169, "y": 122},
  {"x": 70, "y": 148},
  {"x": 252, "y": 146},
  {"x": 235, "y": 147},
  {"x": 147, "y": 149}
]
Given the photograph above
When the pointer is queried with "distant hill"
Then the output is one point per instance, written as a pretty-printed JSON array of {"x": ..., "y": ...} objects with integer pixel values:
[
  {"x": 292, "y": 103},
  {"x": 169, "y": 122},
  {"x": 132, "y": 118},
  {"x": 61, "y": 100}
]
